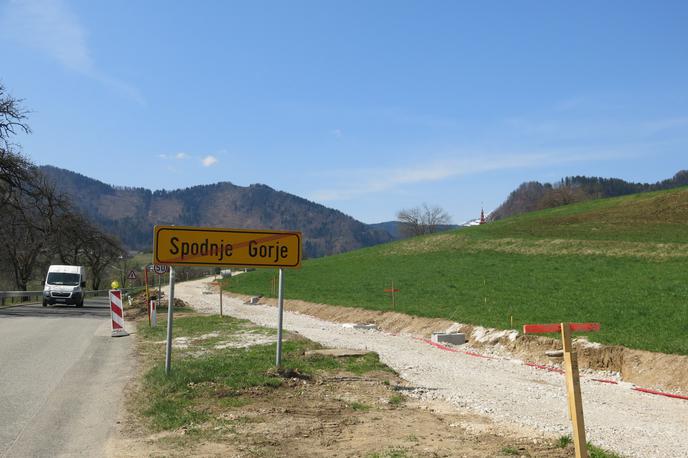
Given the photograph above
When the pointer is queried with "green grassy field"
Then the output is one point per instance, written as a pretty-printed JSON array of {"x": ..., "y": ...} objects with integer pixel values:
[{"x": 620, "y": 262}]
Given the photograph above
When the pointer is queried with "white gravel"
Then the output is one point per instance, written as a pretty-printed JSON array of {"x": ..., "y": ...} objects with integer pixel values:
[{"x": 628, "y": 422}]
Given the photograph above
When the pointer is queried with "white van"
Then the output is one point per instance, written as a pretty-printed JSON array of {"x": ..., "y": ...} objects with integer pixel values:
[{"x": 64, "y": 285}]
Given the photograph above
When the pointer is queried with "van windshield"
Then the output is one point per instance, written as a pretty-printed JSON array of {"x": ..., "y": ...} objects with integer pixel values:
[{"x": 63, "y": 278}]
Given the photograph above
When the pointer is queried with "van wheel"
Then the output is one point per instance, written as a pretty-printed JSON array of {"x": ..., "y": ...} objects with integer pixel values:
[{"x": 80, "y": 304}]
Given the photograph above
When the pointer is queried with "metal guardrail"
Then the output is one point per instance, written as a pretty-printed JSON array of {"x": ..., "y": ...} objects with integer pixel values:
[
  {"x": 23, "y": 296},
  {"x": 17, "y": 297}
]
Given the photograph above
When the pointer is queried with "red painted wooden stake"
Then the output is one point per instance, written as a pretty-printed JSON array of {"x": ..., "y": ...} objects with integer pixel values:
[
  {"x": 392, "y": 290},
  {"x": 556, "y": 327}
]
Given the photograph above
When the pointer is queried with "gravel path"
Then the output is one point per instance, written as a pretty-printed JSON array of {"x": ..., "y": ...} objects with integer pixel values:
[{"x": 628, "y": 422}]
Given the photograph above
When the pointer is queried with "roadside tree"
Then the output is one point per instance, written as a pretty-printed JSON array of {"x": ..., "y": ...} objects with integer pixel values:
[
  {"x": 13, "y": 166},
  {"x": 30, "y": 217},
  {"x": 420, "y": 220},
  {"x": 38, "y": 224},
  {"x": 100, "y": 251}
]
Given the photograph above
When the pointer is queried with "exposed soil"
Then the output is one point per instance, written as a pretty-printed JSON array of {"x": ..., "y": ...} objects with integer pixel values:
[
  {"x": 339, "y": 415},
  {"x": 643, "y": 368},
  {"x": 334, "y": 414},
  {"x": 138, "y": 308}
]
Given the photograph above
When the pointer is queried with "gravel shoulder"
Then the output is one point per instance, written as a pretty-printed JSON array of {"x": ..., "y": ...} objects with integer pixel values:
[
  {"x": 511, "y": 394},
  {"x": 331, "y": 403}
]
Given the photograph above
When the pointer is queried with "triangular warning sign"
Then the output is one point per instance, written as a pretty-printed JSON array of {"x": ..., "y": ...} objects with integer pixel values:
[{"x": 132, "y": 275}]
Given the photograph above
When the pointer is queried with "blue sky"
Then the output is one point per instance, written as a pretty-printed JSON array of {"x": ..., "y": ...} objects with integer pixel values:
[{"x": 364, "y": 106}]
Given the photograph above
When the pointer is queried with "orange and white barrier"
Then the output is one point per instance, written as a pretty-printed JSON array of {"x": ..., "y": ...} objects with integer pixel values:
[{"x": 117, "y": 313}]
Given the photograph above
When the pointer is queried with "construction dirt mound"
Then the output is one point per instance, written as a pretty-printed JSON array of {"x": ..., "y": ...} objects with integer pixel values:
[
  {"x": 137, "y": 306},
  {"x": 643, "y": 368}
]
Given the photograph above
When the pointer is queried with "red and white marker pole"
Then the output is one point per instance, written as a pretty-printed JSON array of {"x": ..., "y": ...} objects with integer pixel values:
[
  {"x": 117, "y": 313},
  {"x": 153, "y": 314}
]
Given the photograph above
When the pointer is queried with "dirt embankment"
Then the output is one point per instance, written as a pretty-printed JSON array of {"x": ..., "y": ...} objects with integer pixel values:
[{"x": 643, "y": 368}]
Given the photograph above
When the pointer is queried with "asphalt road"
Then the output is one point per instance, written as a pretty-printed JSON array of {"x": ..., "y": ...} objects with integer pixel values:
[{"x": 61, "y": 379}]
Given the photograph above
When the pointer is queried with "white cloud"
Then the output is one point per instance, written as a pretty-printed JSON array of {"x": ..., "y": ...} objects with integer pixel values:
[
  {"x": 362, "y": 182},
  {"x": 50, "y": 26},
  {"x": 53, "y": 29},
  {"x": 209, "y": 160}
]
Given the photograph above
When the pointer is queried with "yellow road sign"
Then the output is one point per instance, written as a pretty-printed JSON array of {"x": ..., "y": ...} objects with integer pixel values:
[{"x": 207, "y": 246}]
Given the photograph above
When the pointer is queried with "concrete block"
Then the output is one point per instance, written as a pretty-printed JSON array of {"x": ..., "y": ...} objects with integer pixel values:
[
  {"x": 361, "y": 326},
  {"x": 454, "y": 338},
  {"x": 365, "y": 326}
]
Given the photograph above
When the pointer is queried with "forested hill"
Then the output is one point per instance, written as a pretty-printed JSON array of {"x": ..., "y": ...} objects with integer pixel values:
[
  {"x": 533, "y": 195},
  {"x": 130, "y": 213}
]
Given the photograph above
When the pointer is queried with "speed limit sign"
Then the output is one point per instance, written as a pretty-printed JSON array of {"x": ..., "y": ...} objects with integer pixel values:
[{"x": 161, "y": 269}]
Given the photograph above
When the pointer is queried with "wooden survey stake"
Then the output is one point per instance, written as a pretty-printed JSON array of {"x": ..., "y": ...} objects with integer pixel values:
[
  {"x": 392, "y": 290},
  {"x": 575, "y": 400},
  {"x": 574, "y": 392}
]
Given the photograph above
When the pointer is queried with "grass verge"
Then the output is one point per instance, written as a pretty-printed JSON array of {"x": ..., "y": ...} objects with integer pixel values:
[
  {"x": 212, "y": 370},
  {"x": 593, "y": 451}
]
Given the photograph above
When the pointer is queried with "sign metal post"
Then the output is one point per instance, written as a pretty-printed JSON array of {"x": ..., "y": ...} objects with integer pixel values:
[
  {"x": 220, "y": 285},
  {"x": 204, "y": 246},
  {"x": 145, "y": 276},
  {"x": 170, "y": 307},
  {"x": 280, "y": 313},
  {"x": 148, "y": 299}
]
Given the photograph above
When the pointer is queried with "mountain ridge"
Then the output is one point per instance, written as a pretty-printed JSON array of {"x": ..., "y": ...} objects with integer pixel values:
[{"x": 131, "y": 212}]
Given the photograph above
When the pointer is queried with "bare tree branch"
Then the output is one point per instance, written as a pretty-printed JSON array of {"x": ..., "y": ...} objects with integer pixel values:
[
  {"x": 12, "y": 118},
  {"x": 37, "y": 222},
  {"x": 421, "y": 220}
]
